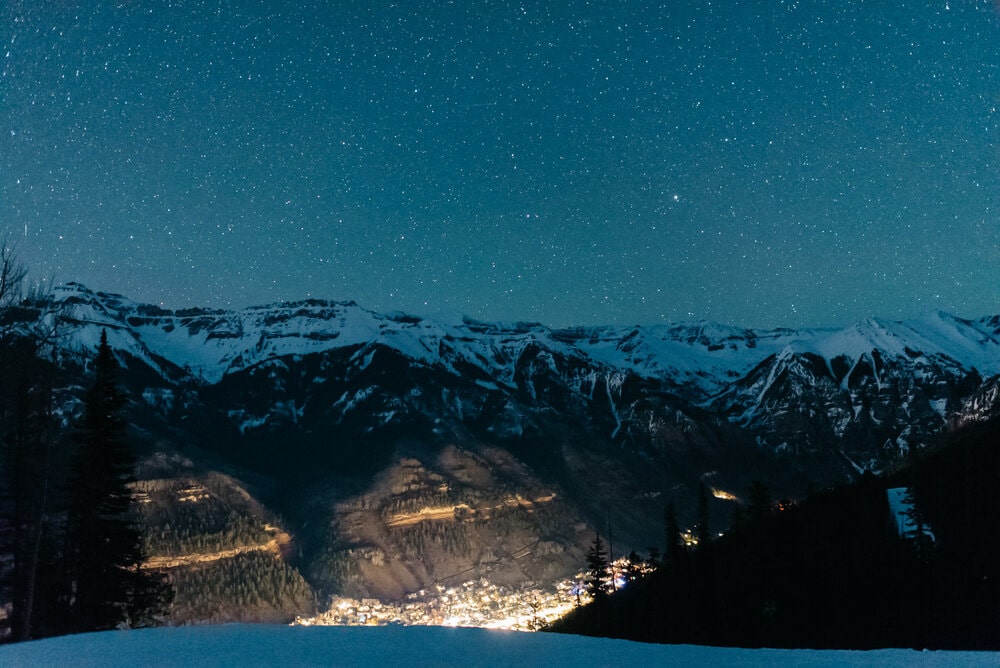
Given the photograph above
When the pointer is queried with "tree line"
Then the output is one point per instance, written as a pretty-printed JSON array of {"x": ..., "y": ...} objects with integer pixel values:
[{"x": 67, "y": 524}]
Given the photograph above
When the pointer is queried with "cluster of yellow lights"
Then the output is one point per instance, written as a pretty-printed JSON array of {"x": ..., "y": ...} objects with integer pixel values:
[
  {"x": 724, "y": 495},
  {"x": 477, "y": 603}
]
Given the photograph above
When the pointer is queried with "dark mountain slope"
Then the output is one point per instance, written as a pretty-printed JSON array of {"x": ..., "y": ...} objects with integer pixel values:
[{"x": 834, "y": 571}]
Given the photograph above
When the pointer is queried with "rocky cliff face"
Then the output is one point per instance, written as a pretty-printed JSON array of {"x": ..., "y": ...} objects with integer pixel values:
[{"x": 400, "y": 450}]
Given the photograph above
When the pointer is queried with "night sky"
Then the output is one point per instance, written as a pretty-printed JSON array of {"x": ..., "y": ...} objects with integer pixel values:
[{"x": 768, "y": 163}]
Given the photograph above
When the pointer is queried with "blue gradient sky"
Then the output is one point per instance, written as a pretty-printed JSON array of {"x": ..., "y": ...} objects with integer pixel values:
[{"x": 756, "y": 163}]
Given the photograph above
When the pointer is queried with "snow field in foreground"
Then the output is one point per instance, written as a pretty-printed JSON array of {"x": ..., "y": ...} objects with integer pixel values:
[{"x": 239, "y": 646}]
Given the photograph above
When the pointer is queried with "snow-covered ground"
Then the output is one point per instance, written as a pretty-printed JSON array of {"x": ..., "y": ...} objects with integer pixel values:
[{"x": 248, "y": 645}]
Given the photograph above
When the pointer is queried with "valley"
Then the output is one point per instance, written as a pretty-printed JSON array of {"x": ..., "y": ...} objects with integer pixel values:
[{"x": 299, "y": 453}]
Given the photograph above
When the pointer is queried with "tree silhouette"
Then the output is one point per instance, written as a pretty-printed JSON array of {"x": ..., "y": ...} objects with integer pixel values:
[
  {"x": 760, "y": 502},
  {"x": 28, "y": 426},
  {"x": 30, "y": 508},
  {"x": 674, "y": 548},
  {"x": 105, "y": 586},
  {"x": 703, "y": 529},
  {"x": 597, "y": 569}
]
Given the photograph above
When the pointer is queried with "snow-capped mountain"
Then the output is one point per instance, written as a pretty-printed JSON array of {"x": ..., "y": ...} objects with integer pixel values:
[
  {"x": 464, "y": 415},
  {"x": 878, "y": 373},
  {"x": 866, "y": 392},
  {"x": 706, "y": 356}
]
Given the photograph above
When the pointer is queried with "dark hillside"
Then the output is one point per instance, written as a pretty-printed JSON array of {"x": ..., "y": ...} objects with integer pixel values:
[{"x": 833, "y": 571}]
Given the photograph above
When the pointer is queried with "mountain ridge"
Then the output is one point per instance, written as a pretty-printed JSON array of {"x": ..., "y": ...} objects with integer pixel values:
[
  {"x": 348, "y": 419},
  {"x": 749, "y": 378},
  {"x": 651, "y": 350}
]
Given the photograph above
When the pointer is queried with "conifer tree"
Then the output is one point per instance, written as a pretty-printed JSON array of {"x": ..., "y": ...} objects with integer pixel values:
[
  {"x": 29, "y": 503},
  {"x": 702, "y": 530},
  {"x": 632, "y": 570},
  {"x": 674, "y": 551},
  {"x": 105, "y": 587},
  {"x": 597, "y": 569},
  {"x": 760, "y": 503},
  {"x": 654, "y": 561},
  {"x": 30, "y": 507}
]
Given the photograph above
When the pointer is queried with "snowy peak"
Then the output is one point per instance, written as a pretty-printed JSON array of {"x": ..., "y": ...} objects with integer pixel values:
[
  {"x": 212, "y": 343},
  {"x": 937, "y": 338},
  {"x": 699, "y": 359}
]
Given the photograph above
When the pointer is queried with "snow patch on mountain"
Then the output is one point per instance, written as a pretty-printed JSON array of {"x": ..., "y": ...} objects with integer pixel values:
[
  {"x": 936, "y": 337},
  {"x": 698, "y": 360},
  {"x": 701, "y": 358}
]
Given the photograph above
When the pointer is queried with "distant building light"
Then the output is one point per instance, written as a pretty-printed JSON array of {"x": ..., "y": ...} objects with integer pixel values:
[
  {"x": 689, "y": 538},
  {"x": 724, "y": 495}
]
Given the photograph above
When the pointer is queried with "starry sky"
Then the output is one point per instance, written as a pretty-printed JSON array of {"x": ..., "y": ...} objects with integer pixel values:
[{"x": 778, "y": 163}]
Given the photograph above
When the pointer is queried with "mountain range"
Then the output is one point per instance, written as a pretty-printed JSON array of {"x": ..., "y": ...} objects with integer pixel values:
[{"x": 375, "y": 455}]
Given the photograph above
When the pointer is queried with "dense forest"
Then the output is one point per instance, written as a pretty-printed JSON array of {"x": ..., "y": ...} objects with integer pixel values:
[{"x": 835, "y": 570}]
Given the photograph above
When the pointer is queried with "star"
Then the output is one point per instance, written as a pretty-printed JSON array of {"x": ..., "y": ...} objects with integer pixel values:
[{"x": 513, "y": 163}]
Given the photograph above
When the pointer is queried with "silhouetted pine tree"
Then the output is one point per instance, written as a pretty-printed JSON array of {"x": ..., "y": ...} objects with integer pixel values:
[
  {"x": 30, "y": 507},
  {"x": 702, "y": 530},
  {"x": 597, "y": 569},
  {"x": 674, "y": 548},
  {"x": 654, "y": 561},
  {"x": 632, "y": 569},
  {"x": 760, "y": 503},
  {"x": 105, "y": 587}
]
